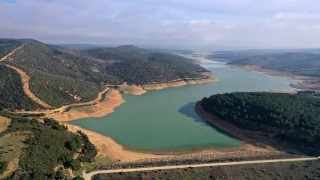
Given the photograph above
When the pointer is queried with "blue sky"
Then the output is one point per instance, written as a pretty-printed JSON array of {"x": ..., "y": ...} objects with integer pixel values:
[{"x": 195, "y": 24}]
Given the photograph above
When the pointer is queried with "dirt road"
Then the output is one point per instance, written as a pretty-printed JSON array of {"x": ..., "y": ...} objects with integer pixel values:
[
  {"x": 26, "y": 88},
  {"x": 89, "y": 175},
  {"x": 11, "y": 53}
]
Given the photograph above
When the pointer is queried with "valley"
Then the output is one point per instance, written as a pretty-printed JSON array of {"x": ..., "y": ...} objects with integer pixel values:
[{"x": 105, "y": 114}]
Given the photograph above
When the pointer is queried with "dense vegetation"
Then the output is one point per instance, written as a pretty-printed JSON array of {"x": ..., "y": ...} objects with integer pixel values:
[
  {"x": 288, "y": 170},
  {"x": 291, "y": 118},
  {"x": 47, "y": 146},
  {"x": 60, "y": 76},
  {"x": 134, "y": 72},
  {"x": 3, "y": 166},
  {"x": 11, "y": 92},
  {"x": 120, "y": 53},
  {"x": 7, "y": 45},
  {"x": 57, "y": 90},
  {"x": 140, "y": 66}
]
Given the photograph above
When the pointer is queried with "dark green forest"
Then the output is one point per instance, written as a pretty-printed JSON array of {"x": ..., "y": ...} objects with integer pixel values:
[
  {"x": 60, "y": 90},
  {"x": 121, "y": 53},
  {"x": 47, "y": 146},
  {"x": 134, "y": 72},
  {"x": 291, "y": 118},
  {"x": 11, "y": 92}
]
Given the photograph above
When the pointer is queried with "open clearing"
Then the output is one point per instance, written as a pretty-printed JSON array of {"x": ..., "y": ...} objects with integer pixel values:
[{"x": 10, "y": 150}]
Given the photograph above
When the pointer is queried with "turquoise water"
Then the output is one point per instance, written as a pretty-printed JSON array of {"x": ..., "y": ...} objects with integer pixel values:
[{"x": 165, "y": 120}]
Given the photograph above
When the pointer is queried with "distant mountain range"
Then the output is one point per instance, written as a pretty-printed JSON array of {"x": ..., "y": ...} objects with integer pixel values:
[{"x": 299, "y": 61}]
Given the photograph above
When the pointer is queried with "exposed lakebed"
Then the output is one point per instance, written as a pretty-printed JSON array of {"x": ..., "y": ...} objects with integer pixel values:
[{"x": 165, "y": 120}]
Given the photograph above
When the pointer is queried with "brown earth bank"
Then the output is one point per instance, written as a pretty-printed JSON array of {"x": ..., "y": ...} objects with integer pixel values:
[
  {"x": 108, "y": 148},
  {"x": 4, "y": 123},
  {"x": 304, "y": 82},
  {"x": 12, "y": 166},
  {"x": 97, "y": 109},
  {"x": 252, "y": 138},
  {"x": 160, "y": 86}
]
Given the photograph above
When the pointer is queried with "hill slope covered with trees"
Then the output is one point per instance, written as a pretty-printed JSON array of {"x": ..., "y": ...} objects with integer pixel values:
[
  {"x": 291, "y": 118},
  {"x": 48, "y": 145},
  {"x": 62, "y": 76},
  {"x": 11, "y": 92}
]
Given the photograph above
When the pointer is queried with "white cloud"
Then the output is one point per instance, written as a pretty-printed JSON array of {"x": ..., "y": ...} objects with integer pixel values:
[
  {"x": 297, "y": 16},
  {"x": 233, "y": 23},
  {"x": 201, "y": 22}
]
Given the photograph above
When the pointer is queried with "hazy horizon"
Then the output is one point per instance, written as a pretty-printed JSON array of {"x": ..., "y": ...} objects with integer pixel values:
[{"x": 171, "y": 24}]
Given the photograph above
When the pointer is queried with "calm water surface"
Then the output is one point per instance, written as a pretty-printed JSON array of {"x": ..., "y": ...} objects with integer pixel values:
[{"x": 166, "y": 121}]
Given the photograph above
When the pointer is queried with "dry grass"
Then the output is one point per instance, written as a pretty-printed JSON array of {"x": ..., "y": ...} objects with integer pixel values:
[
  {"x": 4, "y": 123},
  {"x": 10, "y": 149}
]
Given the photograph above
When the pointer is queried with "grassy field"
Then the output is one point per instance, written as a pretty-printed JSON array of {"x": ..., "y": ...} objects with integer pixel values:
[
  {"x": 288, "y": 170},
  {"x": 10, "y": 146}
]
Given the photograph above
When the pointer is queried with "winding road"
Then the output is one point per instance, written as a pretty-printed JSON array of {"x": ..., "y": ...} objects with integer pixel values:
[
  {"x": 24, "y": 79},
  {"x": 88, "y": 176},
  {"x": 11, "y": 53},
  {"x": 26, "y": 88}
]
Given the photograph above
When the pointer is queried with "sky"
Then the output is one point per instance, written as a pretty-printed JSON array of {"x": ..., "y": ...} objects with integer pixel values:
[{"x": 180, "y": 24}]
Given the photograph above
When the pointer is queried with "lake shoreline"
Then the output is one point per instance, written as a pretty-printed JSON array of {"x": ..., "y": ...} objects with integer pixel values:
[
  {"x": 108, "y": 147},
  {"x": 220, "y": 124},
  {"x": 115, "y": 99},
  {"x": 123, "y": 154},
  {"x": 305, "y": 82},
  {"x": 256, "y": 139}
]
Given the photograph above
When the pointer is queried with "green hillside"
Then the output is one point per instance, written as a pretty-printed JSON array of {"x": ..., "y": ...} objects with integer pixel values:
[
  {"x": 47, "y": 146},
  {"x": 61, "y": 76},
  {"x": 290, "y": 118},
  {"x": 7, "y": 45},
  {"x": 11, "y": 92},
  {"x": 120, "y": 53}
]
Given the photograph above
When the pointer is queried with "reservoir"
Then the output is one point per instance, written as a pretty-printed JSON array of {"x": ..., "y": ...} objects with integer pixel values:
[{"x": 165, "y": 120}]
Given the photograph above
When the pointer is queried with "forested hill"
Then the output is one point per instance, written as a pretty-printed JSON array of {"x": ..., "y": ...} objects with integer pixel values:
[
  {"x": 298, "y": 63},
  {"x": 62, "y": 76},
  {"x": 291, "y": 118},
  {"x": 301, "y": 62}
]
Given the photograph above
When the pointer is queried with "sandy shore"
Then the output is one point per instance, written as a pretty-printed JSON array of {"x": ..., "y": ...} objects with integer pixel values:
[
  {"x": 109, "y": 148},
  {"x": 304, "y": 82},
  {"x": 178, "y": 83},
  {"x": 131, "y": 89},
  {"x": 222, "y": 125},
  {"x": 99, "y": 109}
]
